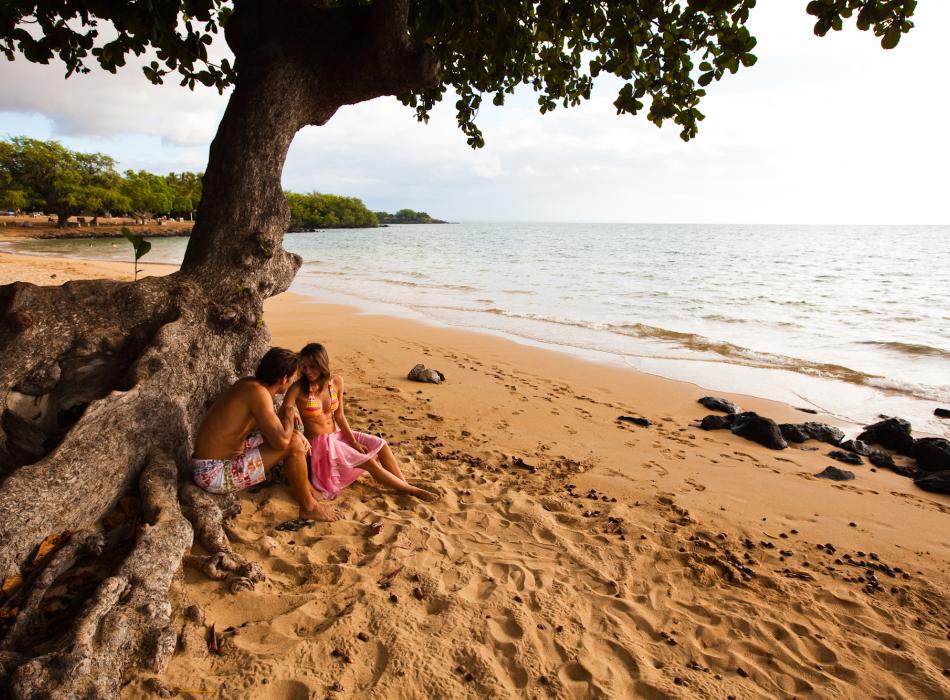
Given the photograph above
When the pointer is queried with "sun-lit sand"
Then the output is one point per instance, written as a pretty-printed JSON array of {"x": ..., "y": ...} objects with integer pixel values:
[{"x": 572, "y": 555}]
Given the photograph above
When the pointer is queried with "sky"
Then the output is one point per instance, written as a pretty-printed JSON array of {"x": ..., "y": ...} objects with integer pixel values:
[{"x": 831, "y": 130}]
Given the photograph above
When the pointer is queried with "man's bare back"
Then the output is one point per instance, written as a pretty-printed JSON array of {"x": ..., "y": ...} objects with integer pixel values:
[{"x": 229, "y": 421}]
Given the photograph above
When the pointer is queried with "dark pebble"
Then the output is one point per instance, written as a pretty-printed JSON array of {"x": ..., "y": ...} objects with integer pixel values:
[
  {"x": 469, "y": 677},
  {"x": 363, "y": 637},
  {"x": 852, "y": 524},
  {"x": 393, "y": 598},
  {"x": 742, "y": 672}
]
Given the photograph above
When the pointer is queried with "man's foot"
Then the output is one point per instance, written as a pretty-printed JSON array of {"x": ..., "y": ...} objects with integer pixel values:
[{"x": 320, "y": 511}]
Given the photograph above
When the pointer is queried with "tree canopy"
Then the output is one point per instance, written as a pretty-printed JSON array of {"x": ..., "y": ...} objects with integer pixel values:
[
  {"x": 315, "y": 210},
  {"x": 666, "y": 53},
  {"x": 46, "y": 175}
]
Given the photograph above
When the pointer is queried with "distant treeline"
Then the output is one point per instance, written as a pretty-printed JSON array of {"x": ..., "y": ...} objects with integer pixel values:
[
  {"x": 45, "y": 176},
  {"x": 316, "y": 210}
]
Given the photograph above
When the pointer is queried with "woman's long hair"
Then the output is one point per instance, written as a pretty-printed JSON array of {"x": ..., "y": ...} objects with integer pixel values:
[{"x": 317, "y": 354}]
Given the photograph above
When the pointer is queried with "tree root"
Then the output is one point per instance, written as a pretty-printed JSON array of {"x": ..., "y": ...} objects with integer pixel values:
[
  {"x": 128, "y": 620},
  {"x": 208, "y": 515},
  {"x": 79, "y": 543}
]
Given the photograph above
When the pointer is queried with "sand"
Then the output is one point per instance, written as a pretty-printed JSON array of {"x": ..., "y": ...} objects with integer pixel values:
[{"x": 572, "y": 555}]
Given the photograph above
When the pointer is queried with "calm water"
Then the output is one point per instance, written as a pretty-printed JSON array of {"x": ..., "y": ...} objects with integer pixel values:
[{"x": 852, "y": 320}]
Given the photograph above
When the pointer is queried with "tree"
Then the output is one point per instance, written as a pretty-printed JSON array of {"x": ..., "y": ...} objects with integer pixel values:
[
  {"x": 60, "y": 181},
  {"x": 107, "y": 363}
]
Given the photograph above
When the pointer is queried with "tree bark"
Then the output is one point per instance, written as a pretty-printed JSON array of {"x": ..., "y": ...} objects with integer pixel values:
[{"x": 104, "y": 383}]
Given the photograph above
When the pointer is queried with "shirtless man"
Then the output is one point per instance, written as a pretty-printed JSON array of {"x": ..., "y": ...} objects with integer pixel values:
[{"x": 225, "y": 459}]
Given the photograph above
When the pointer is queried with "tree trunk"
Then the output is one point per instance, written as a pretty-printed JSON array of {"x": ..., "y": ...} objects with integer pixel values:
[
  {"x": 62, "y": 217},
  {"x": 104, "y": 383}
]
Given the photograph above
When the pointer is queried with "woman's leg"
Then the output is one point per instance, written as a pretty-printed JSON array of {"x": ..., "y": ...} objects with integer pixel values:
[
  {"x": 384, "y": 477},
  {"x": 388, "y": 460}
]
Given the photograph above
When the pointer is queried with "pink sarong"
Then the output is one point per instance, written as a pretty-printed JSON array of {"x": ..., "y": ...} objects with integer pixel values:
[{"x": 334, "y": 462}]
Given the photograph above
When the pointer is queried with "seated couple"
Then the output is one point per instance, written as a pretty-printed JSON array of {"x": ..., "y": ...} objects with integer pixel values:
[{"x": 242, "y": 437}]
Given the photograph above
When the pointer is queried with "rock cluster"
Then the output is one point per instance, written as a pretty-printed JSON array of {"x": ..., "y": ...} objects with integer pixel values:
[{"x": 931, "y": 454}]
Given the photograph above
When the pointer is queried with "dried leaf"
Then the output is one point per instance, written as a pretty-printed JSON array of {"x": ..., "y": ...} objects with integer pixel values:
[
  {"x": 387, "y": 580},
  {"x": 11, "y": 584},
  {"x": 46, "y": 548}
]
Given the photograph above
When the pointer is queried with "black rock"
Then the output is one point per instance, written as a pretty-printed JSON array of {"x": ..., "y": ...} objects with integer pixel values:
[
  {"x": 880, "y": 458},
  {"x": 932, "y": 454},
  {"x": 793, "y": 432},
  {"x": 835, "y": 474},
  {"x": 716, "y": 404},
  {"x": 643, "y": 422},
  {"x": 823, "y": 432},
  {"x": 892, "y": 433},
  {"x": 420, "y": 373},
  {"x": 846, "y": 457},
  {"x": 759, "y": 429},
  {"x": 942, "y": 412},
  {"x": 856, "y": 446},
  {"x": 806, "y": 410},
  {"x": 937, "y": 482},
  {"x": 717, "y": 422}
]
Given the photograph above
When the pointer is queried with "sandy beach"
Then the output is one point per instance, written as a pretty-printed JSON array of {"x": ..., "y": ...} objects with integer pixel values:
[{"x": 572, "y": 554}]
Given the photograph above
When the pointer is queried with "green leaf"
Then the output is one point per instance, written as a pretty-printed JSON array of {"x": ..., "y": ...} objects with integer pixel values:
[
  {"x": 891, "y": 37},
  {"x": 139, "y": 244}
]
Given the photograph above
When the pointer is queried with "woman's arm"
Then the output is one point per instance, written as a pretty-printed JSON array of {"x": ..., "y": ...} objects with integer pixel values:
[{"x": 340, "y": 417}]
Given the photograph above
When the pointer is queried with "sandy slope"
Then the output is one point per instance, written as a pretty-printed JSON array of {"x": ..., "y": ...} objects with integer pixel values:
[{"x": 703, "y": 578}]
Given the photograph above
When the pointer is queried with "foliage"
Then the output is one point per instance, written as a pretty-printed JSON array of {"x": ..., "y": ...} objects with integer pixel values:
[
  {"x": 139, "y": 246},
  {"x": 45, "y": 175},
  {"x": 405, "y": 216},
  {"x": 315, "y": 210},
  {"x": 665, "y": 53},
  {"x": 58, "y": 180}
]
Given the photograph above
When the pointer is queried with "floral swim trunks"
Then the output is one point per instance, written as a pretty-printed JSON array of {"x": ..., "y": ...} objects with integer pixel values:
[{"x": 233, "y": 474}]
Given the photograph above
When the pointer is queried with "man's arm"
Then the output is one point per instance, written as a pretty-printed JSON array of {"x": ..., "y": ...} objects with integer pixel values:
[{"x": 277, "y": 430}]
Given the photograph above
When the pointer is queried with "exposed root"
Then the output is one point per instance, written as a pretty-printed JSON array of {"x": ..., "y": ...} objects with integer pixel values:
[
  {"x": 208, "y": 515},
  {"x": 128, "y": 620},
  {"x": 79, "y": 543}
]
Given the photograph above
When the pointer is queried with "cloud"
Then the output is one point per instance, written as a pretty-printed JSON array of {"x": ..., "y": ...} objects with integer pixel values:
[
  {"x": 831, "y": 130},
  {"x": 100, "y": 104}
]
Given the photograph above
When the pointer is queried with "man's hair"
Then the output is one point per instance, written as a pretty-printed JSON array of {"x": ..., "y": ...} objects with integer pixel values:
[{"x": 277, "y": 364}]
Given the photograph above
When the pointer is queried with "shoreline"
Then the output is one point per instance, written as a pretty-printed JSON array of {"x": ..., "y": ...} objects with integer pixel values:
[
  {"x": 572, "y": 554},
  {"x": 831, "y": 397}
]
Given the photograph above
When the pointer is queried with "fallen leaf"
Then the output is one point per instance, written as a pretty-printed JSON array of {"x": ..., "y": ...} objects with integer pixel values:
[{"x": 10, "y": 584}]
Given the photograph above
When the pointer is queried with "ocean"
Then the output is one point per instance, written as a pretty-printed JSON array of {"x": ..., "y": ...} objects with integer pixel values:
[{"x": 850, "y": 320}]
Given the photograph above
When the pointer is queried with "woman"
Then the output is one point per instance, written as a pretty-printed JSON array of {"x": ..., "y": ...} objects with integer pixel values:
[{"x": 338, "y": 455}]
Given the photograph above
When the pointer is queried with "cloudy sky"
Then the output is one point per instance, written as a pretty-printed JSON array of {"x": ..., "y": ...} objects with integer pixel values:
[{"x": 832, "y": 130}]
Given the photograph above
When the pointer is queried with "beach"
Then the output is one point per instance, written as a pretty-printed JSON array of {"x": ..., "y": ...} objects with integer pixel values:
[{"x": 572, "y": 554}]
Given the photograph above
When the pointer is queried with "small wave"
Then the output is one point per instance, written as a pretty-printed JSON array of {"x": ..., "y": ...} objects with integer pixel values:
[
  {"x": 325, "y": 273},
  {"x": 913, "y": 349},
  {"x": 422, "y": 285},
  {"x": 724, "y": 319},
  {"x": 516, "y": 291}
]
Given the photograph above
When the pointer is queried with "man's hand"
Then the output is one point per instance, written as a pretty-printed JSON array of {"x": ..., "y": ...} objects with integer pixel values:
[{"x": 306, "y": 442}]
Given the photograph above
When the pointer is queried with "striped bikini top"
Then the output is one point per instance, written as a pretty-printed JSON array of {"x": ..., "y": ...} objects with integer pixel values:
[{"x": 314, "y": 405}]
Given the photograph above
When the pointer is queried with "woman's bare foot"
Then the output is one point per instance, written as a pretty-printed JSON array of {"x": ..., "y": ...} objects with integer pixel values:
[
  {"x": 423, "y": 495},
  {"x": 320, "y": 511}
]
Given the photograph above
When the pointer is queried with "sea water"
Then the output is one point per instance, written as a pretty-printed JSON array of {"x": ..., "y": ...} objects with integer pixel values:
[{"x": 852, "y": 320}]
